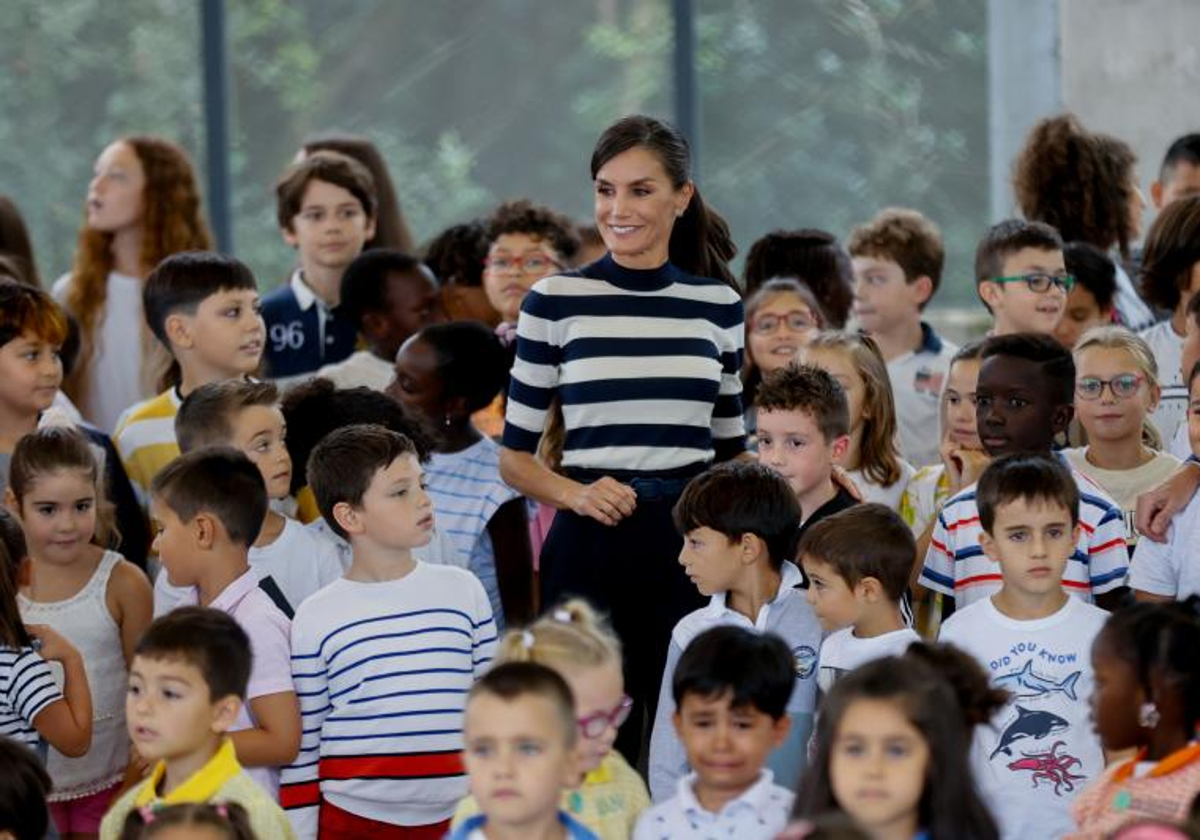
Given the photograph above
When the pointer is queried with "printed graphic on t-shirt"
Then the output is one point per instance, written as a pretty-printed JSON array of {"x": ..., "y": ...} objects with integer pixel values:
[
  {"x": 928, "y": 381},
  {"x": 806, "y": 660},
  {"x": 1036, "y": 737}
]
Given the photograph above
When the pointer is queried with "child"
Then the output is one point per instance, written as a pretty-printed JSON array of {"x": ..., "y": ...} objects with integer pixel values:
[
  {"x": 31, "y": 703},
  {"x": 574, "y": 641},
  {"x": 526, "y": 243},
  {"x": 1034, "y": 640},
  {"x": 1146, "y": 697},
  {"x": 1090, "y": 301},
  {"x": 221, "y": 821},
  {"x": 1116, "y": 389},
  {"x": 246, "y": 416},
  {"x": 186, "y": 685},
  {"x": 522, "y": 753},
  {"x": 891, "y": 748},
  {"x": 738, "y": 522},
  {"x": 208, "y": 506},
  {"x": 1167, "y": 571},
  {"x": 1021, "y": 277},
  {"x": 871, "y": 459},
  {"x": 731, "y": 691},
  {"x": 24, "y": 786},
  {"x": 315, "y": 408},
  {"x": 33, "y": 329},
  {"x": 1170, "y": 279},
  {"x": 384, "y": 656},
  {"x": 95, "y": 598},
  {"x": 1179, "y": 175},
  {"x": 143, "y": 204},
  {"x": 1023, "y": 401},
  {"x": 858, "y": 563},
  {"x": 204, "y": 309},
  {"x": 897, "y": 259},
  {"x": 780, "y": 318},
  {"x": 444, "y": 374},
  {"x": 804, "y": 430},
  {"x": 326, "y": 209},
  {"x": 387, "y": 296}
]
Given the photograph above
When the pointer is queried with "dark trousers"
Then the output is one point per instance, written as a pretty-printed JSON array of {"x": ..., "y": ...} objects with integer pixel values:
[{"x": 631, "y": 572}]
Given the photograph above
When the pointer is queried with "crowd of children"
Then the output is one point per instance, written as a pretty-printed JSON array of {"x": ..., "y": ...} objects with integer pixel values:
[{"x": 516, "y": 539}]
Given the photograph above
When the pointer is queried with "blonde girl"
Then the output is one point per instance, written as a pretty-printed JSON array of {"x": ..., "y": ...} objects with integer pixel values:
[
  {"x": 573, "y": 641},
  {"x": 95, "y": 598},
  {"x": 1116, "y": 390},
  {"x": 872, "y": 460},
  {"x": 142, "y": 205}
]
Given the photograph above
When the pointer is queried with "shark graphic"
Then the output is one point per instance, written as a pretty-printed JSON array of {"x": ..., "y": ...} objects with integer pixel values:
[
  {"x": 1025, "y": 683},
  {"x": 1034, "y": 725}
]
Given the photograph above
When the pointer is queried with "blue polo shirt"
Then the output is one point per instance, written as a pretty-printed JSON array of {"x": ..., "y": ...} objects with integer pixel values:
[{"x": 303, "y": 334}]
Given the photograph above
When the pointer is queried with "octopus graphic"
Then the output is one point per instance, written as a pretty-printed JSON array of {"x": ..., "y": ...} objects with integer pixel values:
[{"x": 1050, "y": 766}]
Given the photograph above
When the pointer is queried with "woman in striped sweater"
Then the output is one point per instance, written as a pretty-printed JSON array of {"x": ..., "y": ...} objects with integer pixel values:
[{"x": 643, "y": 349}]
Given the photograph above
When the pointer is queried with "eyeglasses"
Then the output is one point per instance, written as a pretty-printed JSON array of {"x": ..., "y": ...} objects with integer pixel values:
[
  {"x": 796, "y": 322},
  {"x": 532, "y": 264},
  {"x": 1040, "y": 281},
  {"x": 1122, "y": 386},
  {"x": 597, "y": 723}
]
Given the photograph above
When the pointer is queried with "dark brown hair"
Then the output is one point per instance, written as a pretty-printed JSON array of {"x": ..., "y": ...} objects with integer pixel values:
[
  {"x": 1006, "y": 238},
  {"x": 219, "y": 480},
  {"x": 809, "y": 390},
  {"x": 1171, "y": 250},
  {"x": 867, "y": 540},
  {"x": 206, "y": 638},
  {"x": 332, "y": 168},
  {"x": 229, "y": 819},
  {"x": 342, "y": 466},
  {"x": 26, "y": 308},
  {"x": 742, "y": 497},
  {"x": 1041, "y": 478},
  {"x": 538, "y": 221},
  {"x": 24, "y": 786},
  {"x": 206, "y": 415},
  {"x": 15, "y": 243},
  {"x": 54, "y": 448},
  {"x": 391, "y": 228},
  {"x": 812, "y": 256},
  {"x": 906, "y": 238},
  {"x": 700, "y": 240},
  {"x": 1079, "y": 182}
]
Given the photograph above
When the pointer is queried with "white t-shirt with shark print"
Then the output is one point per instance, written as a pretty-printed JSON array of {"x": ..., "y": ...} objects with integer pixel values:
[{"x": 1040, "y": 750}]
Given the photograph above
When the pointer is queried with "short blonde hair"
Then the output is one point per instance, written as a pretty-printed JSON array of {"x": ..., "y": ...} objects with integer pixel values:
[{"x": 569, "y": 636}]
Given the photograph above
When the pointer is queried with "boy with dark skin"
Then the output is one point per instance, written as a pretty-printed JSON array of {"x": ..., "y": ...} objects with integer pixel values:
[{"x": 1022, "y": 403}]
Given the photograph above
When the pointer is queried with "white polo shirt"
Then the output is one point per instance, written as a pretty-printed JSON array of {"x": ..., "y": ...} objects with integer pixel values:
[
  {"x": 917, "y": 381},
  {"x": 1168, "y": 352},
  {"x": 1170, "y": 568},
  {"x": 759, "y": 813}
]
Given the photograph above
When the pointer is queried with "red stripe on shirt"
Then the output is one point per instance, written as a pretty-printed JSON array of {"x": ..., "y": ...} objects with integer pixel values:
[
  {"x": 962, "y": 523},
  {"x": 408, "y": 766},
  {"x": 972, "y": 581},
  {"x": 1097, "y": 549},
  {"x": 302, "y": 795}
]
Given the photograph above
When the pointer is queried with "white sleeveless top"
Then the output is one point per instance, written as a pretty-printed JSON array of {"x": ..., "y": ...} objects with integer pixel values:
[{"x": 85, "y": 621}]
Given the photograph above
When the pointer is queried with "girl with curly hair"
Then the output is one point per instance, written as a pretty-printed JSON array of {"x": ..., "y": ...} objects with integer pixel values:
[
  {"x": 1085, "y": 186},
  {"x": 142, "y": 205}
]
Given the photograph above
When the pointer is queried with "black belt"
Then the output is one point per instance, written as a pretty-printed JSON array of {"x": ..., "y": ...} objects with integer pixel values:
[{"x": 650, "y": 486}]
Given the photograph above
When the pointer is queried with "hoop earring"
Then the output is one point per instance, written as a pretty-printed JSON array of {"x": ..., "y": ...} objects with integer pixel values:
[{"x": 1148, "y": 716}]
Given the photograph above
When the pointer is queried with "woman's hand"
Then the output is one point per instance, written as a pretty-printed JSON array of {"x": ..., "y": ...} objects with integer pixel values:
[
  {"x": 606, "y": 500},
  {"x": 1157, "y": 506}
]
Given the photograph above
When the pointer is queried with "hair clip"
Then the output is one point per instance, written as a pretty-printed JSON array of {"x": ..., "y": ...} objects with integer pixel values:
[
  {"x": 562, "y": 616},
  {"x": 147, "y": 814},
  {"x": 527, "y": 640},
  {"x": 222, "y": 811}
]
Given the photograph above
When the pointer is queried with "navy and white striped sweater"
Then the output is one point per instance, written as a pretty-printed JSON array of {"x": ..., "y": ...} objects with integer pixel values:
[{"x": 646, "y": 364}]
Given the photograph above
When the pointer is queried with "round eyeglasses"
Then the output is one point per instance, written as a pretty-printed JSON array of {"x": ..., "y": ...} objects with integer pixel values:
[
  {"x": 597, "y": 723},
  {"x": 796, "y": 322},
  {"x": 531, "y": 264},
  {"x": 1123, "y": 386}
]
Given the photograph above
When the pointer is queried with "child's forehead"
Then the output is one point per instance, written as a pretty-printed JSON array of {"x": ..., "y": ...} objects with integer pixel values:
[
  {"x": 1033, "y": 259},
  {"x": 527, "y": 713},
  {"x": 167, "y": 665},
  {"x": 719, "y": 701},
  {"x": 404, "y": 466},
  {"x": 252, "y": 419},
  {"x": 1030, "y": 510},
  {"x": 796, "y": 418},
  {"x": 232, "y": 293},
  {"x": 1004, "y": 371},
  {"x": 318, "y": 191}
]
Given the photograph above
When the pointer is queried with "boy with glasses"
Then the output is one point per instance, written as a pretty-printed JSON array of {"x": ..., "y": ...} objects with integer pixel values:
[{"x": 1021, "y": 277}]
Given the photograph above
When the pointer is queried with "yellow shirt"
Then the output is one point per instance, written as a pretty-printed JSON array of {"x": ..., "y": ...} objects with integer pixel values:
[
  {"x": 145, "y": 439},
  {"x": 222, "y": 779},
  {"x": 608, "y": 802}
]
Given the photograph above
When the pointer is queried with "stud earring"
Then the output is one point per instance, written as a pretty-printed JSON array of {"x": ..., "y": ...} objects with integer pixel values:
[
  {"x": 1148, "y": 716},
  {"x": 447, "y": 420}
]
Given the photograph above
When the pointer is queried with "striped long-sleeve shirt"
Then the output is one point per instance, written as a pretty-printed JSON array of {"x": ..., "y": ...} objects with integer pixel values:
[
  {"x": 382, "y": 671},
  {"x": 645, "y": 362},
  {"x": 955, "y": 564}
]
